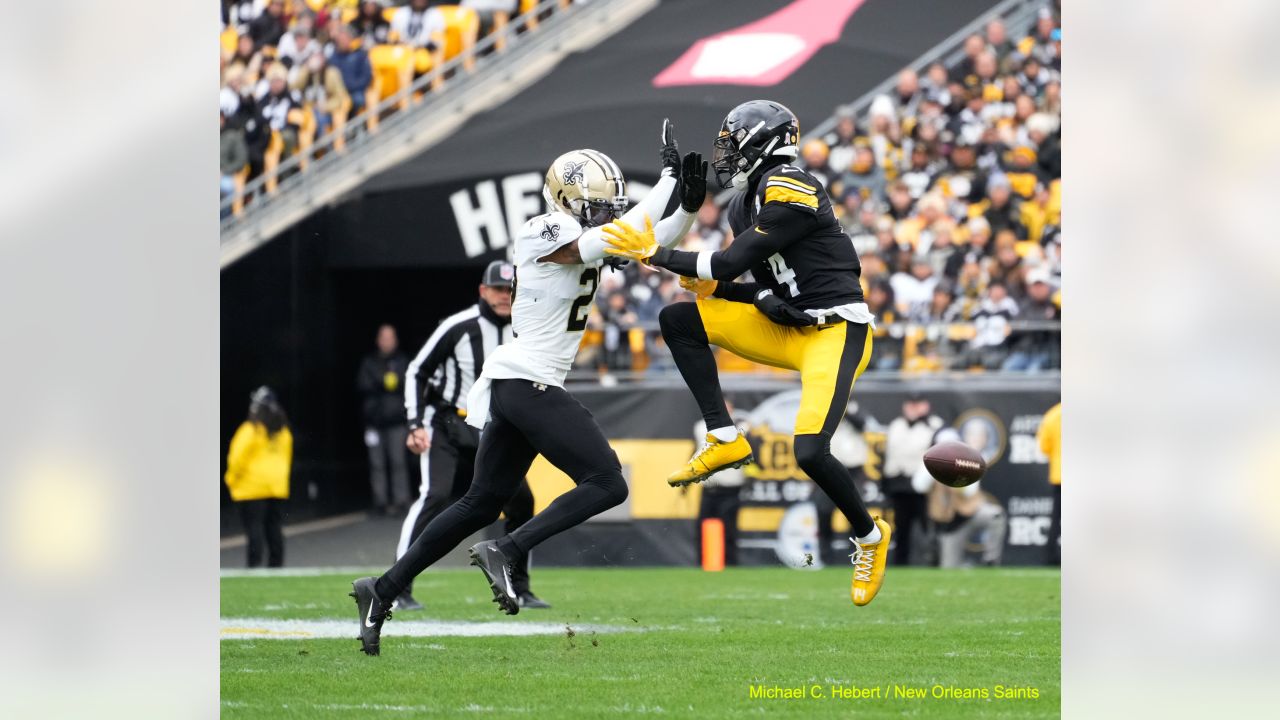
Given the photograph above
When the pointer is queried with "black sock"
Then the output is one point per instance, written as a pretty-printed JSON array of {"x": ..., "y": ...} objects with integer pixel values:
[
  {"x": 813, "y": 455},
  {"x": 509, "y": 548},
  {"x": 682, "y": 329}
]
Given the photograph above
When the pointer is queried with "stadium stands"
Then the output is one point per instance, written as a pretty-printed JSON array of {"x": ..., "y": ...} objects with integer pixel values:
[{"x": 377, "y": 49}]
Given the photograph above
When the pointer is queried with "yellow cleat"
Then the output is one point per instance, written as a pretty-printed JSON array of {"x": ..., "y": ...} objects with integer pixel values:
[
  {"x": 711, "y": 459},
  {"x": 868, "y": 565}
]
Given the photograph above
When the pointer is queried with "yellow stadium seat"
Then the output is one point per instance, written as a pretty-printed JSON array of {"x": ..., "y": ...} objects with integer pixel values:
[
  {"x": 392, "y": 66},
  {"x": 349, "y": 15},
  {"x": 229, "y": 40},
  {"x": 462, "y": 25}
]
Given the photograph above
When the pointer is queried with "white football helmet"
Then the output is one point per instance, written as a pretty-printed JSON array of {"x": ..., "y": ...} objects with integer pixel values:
[{"x": 587, "y": 185}]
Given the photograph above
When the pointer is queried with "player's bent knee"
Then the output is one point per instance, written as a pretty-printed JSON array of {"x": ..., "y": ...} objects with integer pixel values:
[
  {"x": 485, "y": 506},
  {"x": 811, "y": 450},
  {"x": 614, "y": 485}
]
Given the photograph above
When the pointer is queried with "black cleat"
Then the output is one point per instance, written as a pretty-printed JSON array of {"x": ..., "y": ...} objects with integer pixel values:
[
  {"x": 406, "y": 602},
  {"x": 497, "y": 570},
  {"x": 528, "y": 600},
  {"x": 373, "y": 612}
]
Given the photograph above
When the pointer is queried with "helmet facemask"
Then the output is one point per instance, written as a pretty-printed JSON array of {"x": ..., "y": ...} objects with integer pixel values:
[
  {"x": 733, "y": 163},
  {"x": 597, "y": 212}
]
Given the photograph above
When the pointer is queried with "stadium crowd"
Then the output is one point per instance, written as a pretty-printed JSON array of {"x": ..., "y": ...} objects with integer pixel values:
[
  {"x": 295, "y": 70},
  {"x": 950, "y": 189}
]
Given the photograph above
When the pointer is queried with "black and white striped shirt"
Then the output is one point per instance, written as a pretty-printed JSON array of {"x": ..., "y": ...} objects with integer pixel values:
[{"x": 444, "y": 370}]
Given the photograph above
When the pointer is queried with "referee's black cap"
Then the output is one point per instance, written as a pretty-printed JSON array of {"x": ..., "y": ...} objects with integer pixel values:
[{"x": 500, "y": 273}]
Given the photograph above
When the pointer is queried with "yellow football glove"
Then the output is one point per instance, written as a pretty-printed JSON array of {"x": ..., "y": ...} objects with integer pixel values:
[
  {"x": 628, "y": 242},
  {"x": 698, "y": 286}
]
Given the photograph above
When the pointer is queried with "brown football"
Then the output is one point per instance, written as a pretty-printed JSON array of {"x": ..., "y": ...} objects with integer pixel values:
[{"x": 954, "y": 464}]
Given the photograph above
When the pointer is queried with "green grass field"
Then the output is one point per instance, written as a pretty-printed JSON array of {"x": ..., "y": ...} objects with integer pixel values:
[{"x": 684, "y": 644}]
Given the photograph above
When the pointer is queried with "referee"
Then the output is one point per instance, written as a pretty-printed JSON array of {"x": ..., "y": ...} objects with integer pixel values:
[{"x": 435, "y": 398}]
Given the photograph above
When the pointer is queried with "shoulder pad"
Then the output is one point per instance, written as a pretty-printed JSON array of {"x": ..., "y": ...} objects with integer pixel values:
[
  {"x": 543, "y": 234},
  {"x": 554, "y": 228},
  {"x": 790, "y": 186}
]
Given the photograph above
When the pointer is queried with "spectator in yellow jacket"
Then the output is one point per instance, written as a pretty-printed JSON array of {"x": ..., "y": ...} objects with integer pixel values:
[
  {"x": 1050, "y": 438},
  {"x": 258, "y": 465}
]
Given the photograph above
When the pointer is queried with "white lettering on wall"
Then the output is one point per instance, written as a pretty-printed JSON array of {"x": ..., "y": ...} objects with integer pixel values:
[
  {"x": 522, "y": 195},
  {"x": 486, "y": 216}
]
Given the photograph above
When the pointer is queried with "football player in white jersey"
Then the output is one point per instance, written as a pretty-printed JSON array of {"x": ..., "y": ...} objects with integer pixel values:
[{"x": 520, "y": 399}]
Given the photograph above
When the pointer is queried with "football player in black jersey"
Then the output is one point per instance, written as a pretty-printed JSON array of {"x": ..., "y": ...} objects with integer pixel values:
[{"x": 804, "y": 312}]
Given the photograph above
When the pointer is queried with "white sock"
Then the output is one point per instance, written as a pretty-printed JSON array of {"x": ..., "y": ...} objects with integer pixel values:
[
  {"x": 724, "y": 434},
  {"x": 871, "y": 539}
]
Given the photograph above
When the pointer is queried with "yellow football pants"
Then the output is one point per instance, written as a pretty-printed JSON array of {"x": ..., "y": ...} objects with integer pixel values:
[{"x": 829, "y": 357}]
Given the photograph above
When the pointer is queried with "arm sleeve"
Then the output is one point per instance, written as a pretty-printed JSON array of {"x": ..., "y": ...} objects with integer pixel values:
[
  {"x": 737, "y": 292},
  {"x": 591, "y": 243},
  {"x": 776, "y": 227},
  {"x": 418, "y": 375},
  {"x": 671, "y": 230}
]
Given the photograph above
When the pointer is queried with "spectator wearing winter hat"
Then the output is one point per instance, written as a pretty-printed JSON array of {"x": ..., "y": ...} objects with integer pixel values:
[
  {"x": 1042, "y": 129},
  {"x": 864, "y": 175},
  {"x": 298, "y": 44},
  {"x": 813, "y": 158},
  {"x": 1001, "y": 212},
  {"x": 1022, "y": 173}
]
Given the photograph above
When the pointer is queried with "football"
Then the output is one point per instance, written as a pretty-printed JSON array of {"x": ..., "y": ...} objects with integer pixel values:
[{"x": 954, "y": 464}]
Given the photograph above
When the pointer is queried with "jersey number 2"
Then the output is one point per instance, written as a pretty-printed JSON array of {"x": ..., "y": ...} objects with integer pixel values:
[{"x": 582, "y": 306}]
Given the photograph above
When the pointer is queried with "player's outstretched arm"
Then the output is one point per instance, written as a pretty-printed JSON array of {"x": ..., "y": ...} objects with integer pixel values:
[
  {"x": 591, "y": 245},
  {"x": 776, "y": 227}
]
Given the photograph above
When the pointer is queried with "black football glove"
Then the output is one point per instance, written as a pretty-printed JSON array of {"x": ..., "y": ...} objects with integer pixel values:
[
  {"x": 616, "y": 263},
  {"x": 670, "y": 153},
  {"x": 693, "y": 182},
  {"x": 779, "y": 311}
]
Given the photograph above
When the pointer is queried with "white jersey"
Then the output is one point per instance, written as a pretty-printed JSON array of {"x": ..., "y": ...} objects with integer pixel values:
[{"x": 549, "y": 311}]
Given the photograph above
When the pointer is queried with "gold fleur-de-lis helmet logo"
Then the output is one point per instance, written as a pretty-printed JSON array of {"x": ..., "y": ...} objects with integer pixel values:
[{"x": 573, "y": 172}]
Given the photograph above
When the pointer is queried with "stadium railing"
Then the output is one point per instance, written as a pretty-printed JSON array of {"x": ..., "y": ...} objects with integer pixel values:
[{"x": 531, "y": 43}]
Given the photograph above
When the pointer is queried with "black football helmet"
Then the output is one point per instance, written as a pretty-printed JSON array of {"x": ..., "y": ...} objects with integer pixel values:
[{"x": 750, "y": 133}]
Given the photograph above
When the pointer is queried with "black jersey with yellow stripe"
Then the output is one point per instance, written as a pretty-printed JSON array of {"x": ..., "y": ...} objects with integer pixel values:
[{"x": 819, "y": 270}]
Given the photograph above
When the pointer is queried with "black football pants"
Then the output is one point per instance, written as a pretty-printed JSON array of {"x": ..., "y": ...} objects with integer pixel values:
[
  {"x": 526, "y": 419},
  {"x": 447, "y": 468}
]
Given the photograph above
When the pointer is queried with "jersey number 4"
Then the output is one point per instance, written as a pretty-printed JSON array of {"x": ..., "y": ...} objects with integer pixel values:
[
  {"x": 783, "y": 274},
  {"x": 582, "y": 305}
]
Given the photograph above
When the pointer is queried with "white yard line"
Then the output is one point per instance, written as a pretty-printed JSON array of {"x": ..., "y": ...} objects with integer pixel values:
[
  {"x": 302, "y": 528},
  {"x": 277, "y": 629}
]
